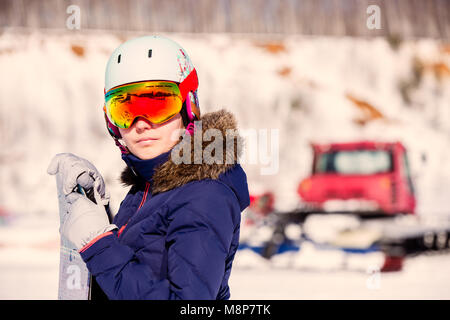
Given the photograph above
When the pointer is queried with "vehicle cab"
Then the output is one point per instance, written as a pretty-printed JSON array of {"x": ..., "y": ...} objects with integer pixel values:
[{"x": 361, "y": 177}]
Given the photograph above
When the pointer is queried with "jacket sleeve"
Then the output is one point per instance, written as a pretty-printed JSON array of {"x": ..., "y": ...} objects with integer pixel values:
[{"x": 198, "y": 240}]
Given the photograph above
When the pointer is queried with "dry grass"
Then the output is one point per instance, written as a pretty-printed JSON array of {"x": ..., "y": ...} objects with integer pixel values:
[
  {"x": 368, "y": 111},
  {"x": 78, "y": 50},
  {"x": 271, "y": 47},
  {"x": 284, "y": 72}
]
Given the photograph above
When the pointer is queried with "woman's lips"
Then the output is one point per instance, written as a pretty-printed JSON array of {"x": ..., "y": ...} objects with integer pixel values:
[{"x": 146, "y": 140}]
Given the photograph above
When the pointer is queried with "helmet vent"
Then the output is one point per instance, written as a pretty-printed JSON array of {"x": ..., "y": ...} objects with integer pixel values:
[
  {"x": 150, "y": 53},
  {"x": 118, "y": 58}
]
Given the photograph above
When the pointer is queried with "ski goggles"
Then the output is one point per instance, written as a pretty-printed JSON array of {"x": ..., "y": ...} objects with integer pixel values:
[{"x": 156, "y": 101}]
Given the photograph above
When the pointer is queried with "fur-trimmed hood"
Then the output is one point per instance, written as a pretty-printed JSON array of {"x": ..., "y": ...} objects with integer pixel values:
[{"x": 207, "y": 158}]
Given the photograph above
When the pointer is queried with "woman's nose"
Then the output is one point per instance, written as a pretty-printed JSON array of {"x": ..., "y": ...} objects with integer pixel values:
[{"x": 143, "y": 124}]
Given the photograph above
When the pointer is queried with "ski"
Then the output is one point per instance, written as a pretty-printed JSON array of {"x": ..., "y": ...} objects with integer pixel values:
[{"x": 74, "y": 278}]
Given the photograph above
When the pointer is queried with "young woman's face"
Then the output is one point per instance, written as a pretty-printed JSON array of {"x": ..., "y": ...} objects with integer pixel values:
[{"x": 147, "y": 140}]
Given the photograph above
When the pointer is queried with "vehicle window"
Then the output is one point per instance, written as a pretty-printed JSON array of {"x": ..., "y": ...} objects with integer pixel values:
[
  {"x": 355, "y": 162},
  {"x": 407, "y": 173}
]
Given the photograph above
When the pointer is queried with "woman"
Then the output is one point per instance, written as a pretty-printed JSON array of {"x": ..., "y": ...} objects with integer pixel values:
[{"x": 177, "y": 230}]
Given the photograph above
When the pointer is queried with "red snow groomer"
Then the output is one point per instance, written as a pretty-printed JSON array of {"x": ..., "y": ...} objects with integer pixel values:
[{"x": 366, "y": 178}]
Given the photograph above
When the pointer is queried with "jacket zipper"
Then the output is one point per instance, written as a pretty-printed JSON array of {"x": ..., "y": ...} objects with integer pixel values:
[
  {"x": 144, "y": 198},
  {"x": 147, "y": 187}
]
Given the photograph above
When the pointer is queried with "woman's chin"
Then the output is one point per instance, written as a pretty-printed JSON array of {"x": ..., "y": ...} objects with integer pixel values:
[{"x": 148, "y": 153}]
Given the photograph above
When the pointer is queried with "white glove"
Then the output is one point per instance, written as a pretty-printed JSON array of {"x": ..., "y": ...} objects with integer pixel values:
[
  {"x": 75, "y": 170},
  {"x": 84, "y": 220}
]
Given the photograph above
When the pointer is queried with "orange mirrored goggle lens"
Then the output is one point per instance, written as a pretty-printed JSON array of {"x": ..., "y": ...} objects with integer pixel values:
[{"x": 156, "y": 101}]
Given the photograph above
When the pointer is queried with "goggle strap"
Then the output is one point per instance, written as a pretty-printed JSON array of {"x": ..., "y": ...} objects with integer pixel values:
[
  {"x": 122, "y": 148},
  {"x": 188, "y": 84},
  {"x": 114, "y": 132},
  {"x": 189, "y": 109},
  {"x": 190, "y": 129}
]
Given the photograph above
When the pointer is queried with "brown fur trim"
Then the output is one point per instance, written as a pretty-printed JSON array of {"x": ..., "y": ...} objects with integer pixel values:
[
  {"x": 128, "y": 178},
  {"x": 171, "y": 174}
]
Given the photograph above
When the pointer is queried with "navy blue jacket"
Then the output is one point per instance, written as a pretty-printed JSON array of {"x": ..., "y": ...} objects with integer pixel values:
[{"x": 178, "y": 228}]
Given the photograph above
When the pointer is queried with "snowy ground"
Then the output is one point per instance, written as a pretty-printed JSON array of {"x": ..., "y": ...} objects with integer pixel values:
[
  {"x": 29, "y": 260},
  {"x": 299, "y": 277}
]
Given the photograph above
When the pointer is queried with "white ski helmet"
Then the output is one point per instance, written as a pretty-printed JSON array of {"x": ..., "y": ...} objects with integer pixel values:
[{"x": 150, "y": 58}]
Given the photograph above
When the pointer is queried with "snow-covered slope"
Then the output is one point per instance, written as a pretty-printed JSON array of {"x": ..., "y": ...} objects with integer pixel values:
[{"x": 310, "y": 89}]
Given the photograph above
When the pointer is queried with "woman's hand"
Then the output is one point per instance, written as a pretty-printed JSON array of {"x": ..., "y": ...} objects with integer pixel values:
[
  {"x": 75, "y": 170},
  {"x": 84, "y": 220}
]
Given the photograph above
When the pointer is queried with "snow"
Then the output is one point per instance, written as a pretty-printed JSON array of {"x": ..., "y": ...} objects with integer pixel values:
[
  {"x": 422, "y": 278},
  {"x": 51, "y": 100},
  {"x": 29, "y": 266},
  {"x": 29, "y": 258}
]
